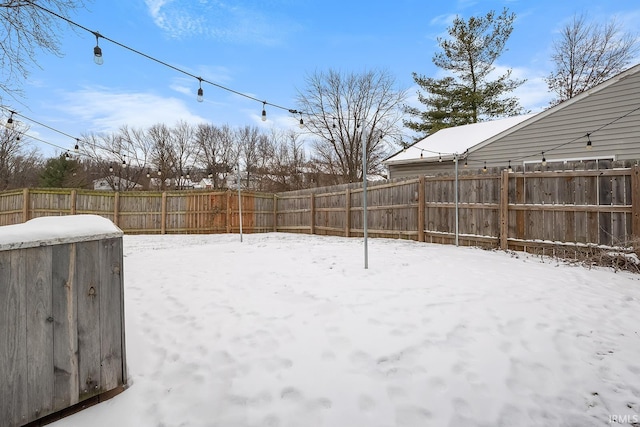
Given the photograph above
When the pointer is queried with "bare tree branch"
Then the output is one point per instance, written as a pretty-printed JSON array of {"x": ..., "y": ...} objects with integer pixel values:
[
  {"x": 26, "y": 30},
  {"x": 586, "y": 54}
]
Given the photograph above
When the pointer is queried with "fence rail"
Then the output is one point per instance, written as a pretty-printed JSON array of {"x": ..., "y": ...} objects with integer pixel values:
[{"x": 517, "y": 210}]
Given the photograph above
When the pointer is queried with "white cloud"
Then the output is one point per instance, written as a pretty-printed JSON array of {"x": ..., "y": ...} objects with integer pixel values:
[
  {"x": 219, "y": 20},
  {"x": 105, "y": 110}
]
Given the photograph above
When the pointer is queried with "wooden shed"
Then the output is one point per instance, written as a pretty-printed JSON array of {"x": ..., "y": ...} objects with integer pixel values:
[{"x": 62, "y": 341}]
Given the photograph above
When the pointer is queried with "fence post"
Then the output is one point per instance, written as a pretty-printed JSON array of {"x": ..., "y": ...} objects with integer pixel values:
[
  {"x": 163, "y": 214},
  {"x": 504, "y": 209},
  {"x": 228, "y": 211},
  {"x": 25, "y": 205},
  {"x": 635, "y": 201},
  {"x": 347, "y": 213},
  {"x": 312, "y": 205},
  {"x": 74, "y": 197},
  {"x": 275, "y": 213},
  {"x": 421, "y": 185},
  {"x": 116, "y": 208}
]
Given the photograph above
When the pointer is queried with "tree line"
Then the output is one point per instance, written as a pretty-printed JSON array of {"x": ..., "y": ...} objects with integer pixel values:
[{"x": 352, "y": 120}]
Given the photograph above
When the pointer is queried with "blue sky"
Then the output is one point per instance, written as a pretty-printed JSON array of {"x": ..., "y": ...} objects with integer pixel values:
[{"x": 264, "y": 49}]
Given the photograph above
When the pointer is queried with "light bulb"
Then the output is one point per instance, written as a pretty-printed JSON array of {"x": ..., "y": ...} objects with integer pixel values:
[
  {"x": 97, "y": 55},
  {"x": 301, "y": 123},
  {"x": 200, "y": 97}
]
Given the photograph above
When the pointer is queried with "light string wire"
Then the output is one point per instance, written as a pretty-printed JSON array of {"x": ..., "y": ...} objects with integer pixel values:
[
  {"x": 116, "y": 153},
  {"x": 200, "y": 79}
]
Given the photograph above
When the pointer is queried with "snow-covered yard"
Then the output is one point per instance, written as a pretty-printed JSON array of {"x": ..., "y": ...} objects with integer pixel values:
[{"x": 291, "y": 330}]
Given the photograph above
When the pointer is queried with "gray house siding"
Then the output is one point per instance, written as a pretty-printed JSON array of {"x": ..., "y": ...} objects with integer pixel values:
[{"x": 610, "y": 112}]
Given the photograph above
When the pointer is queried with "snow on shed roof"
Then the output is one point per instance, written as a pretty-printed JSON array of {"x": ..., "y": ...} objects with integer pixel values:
[
  {"x": 456, "y": 139},
  {"x": 52, "y": 230}
]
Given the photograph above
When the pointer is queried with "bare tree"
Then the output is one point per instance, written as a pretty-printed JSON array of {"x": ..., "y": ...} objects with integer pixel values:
[
  {"x": 586, "y": 54},
  {"x": 162, "y": 154},
  {"x": 18, "y": 165},
  {"x": 216, "y": 151},
  {"x": 26, "y": 29},
  {"x": 288, "y": 164},
  {"x": 185, "y": 151},
  {"x": 248, "y": 139},
  {"x": 349, "y": 113},
  {"x": 120, "y": 157}
]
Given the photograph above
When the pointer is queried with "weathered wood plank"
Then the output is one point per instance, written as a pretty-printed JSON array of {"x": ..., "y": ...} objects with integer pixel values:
[
  {"x": 89, "y": 290},
  {"x": 65, "y": 326},
  {"x": 40, "y": 371},
  {"x": 13, "y": 336},
  {"x": 635, "y": 200},
  {"x": 504, "y": 210},
  {"x": 111, "y": 305}
]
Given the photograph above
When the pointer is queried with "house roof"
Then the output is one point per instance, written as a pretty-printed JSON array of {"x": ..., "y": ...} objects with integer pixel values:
[{"x": 459, "y": 139}]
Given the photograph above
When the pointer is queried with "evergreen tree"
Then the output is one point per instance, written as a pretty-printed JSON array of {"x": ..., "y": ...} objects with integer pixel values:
[
  {"x": 60, "y": 172},
  {"x": 469, "y": 95}
]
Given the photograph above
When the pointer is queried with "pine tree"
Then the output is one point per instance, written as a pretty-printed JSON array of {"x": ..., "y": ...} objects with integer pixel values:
[{"x": 469, "y": 95}]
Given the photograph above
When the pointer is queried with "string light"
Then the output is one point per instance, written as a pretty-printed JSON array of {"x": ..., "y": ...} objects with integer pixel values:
[
  {"x": 148, "y": 173},
  {"x": 439, "y": 157},
  {"x": 544, "y": 160},
  {"x": 465, "y": 162},
  {"x": 484, "y": 169},
  {"x": 200, "y": 96},
  {"x": 589, "y": 146},
  {"x": 509, "y": 167},
  {"x": 110, "y": 168},
  {"x": 9, "y": 124},
  {"x": 97, "y": 51},
  {"x": 67, "y": 156},
  {"x": 99, "y": 60},
  {"x": 76, "y": 148},
  {"x": 301, "y": 122},
  {"x": 264, "y": 111}
]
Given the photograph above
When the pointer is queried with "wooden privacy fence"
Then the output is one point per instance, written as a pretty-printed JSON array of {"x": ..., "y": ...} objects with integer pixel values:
[
  {"x": 518, "y": 210},
  {"x": 172, "y": 212}
]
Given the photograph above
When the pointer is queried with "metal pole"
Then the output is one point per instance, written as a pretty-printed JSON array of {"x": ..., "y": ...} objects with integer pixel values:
[
  {"x": 364, "y": 203},
  {"x": 455, "y": 160},
  {"x": 239, "y": 200}
]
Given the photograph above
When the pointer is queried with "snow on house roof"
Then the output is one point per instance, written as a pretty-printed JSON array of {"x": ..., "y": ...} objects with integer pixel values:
[{"x": 456, "y": 139}]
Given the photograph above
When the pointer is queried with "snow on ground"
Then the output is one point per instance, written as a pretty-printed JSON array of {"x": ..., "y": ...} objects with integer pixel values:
[{"x": 291, "y": 331}]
